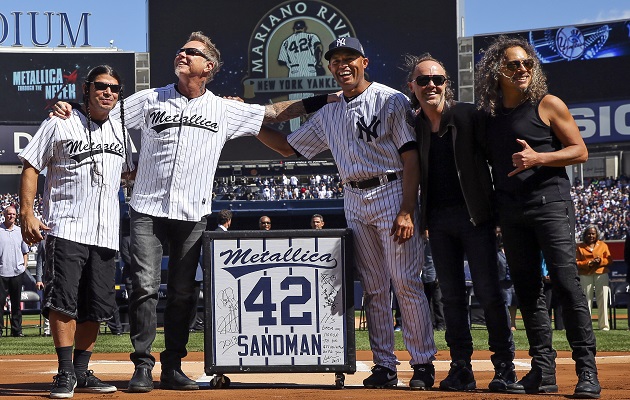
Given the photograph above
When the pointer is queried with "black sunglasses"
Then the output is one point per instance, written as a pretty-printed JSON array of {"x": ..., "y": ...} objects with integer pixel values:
[
  {"x": 191, "y": 51},
  {"x": 423, "y": 80},
  {"x": 115, "y": 88},
  {"x": 528, "y": 63}
]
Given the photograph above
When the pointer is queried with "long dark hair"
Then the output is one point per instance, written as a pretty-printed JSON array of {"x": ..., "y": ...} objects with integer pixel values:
[
  {"x": 487, "y": 90},
  {"x": 92, "y": 74}
]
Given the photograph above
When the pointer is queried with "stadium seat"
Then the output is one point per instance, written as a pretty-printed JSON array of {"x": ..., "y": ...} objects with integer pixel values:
[
  {"x": 620, "y": 293},
  {"x": 30, "y": 306},
  {"x": 358, "y": 305}
]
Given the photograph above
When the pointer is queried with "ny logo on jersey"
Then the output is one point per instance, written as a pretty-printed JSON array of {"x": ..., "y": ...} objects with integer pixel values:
[{"x": 370, "y": 130}]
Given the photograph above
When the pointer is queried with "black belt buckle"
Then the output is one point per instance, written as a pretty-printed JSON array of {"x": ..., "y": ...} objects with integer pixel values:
[{"x": 373, "y": 182}]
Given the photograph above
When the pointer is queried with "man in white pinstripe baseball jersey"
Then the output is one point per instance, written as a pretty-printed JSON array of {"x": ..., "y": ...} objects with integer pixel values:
[
  {"x": 184, "y": 127},
  {"x": 84, "y": 156},
  {"x": 373, "y": 143}
]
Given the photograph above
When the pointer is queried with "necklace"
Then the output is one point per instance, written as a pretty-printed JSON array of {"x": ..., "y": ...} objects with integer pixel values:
[{"x": 511, "y": 110}]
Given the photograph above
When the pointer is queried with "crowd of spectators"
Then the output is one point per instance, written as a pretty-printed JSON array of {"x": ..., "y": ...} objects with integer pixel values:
[
  {"x": 602, "y": 202},
  {"x": 280, "y": 188},
  {"x": 13, "y": 199}
]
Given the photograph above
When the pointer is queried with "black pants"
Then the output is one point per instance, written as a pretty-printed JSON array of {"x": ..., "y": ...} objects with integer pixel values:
[
  {"x": 13, "y": 287},
  {"x": 549, "y": 228},
  {"x": 453, "y": 238}
]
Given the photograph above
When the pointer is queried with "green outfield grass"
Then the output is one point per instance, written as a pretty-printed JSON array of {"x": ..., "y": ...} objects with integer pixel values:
[{"x": 613, "y": 340}]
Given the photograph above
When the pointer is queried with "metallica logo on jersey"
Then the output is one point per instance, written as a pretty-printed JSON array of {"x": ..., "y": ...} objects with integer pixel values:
[
  {"x": 286, "y": 50},
  {"x": 80, "y": 150},
  {"x": 161, "y": 121}
]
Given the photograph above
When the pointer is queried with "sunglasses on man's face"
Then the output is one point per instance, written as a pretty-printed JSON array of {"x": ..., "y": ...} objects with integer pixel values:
[
  {"x": 191, "y": 51},
  {"x": 528, "y": 63},
  {"x": 423, "y": 80},
  {"x": 115, "y": 88}
]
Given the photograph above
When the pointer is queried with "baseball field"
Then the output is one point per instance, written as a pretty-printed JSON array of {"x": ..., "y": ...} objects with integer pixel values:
[{"x": 27, "y": 374}]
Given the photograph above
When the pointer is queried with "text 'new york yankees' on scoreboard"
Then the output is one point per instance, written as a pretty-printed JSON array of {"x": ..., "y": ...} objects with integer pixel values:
[{"x": 278, "y": 301}]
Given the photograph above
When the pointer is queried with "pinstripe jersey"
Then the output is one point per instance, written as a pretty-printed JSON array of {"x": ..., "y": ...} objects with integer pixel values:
[
  {"x": 181, "y": 142},
  {"x": 298, "y": 52},
  {"x": 363, "y": 135},
  {"x": 80, "y": 205}
]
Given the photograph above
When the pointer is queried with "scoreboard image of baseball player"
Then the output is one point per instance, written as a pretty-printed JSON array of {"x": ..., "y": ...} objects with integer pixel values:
[{"x": 301, "y": 52}]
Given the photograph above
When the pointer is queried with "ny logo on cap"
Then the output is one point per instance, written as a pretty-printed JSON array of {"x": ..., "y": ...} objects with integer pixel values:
[{"x": 341, "y": 42}]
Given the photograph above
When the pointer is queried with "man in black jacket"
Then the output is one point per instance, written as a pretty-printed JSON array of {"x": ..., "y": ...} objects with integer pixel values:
[{"x": 455, "y": 207}]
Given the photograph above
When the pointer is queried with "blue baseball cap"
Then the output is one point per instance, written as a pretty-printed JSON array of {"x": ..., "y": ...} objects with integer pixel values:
[{"x": 340, "y": 43}]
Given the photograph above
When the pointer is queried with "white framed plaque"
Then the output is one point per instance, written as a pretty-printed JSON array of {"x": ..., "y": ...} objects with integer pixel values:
[{"x": 279, "y": 301}]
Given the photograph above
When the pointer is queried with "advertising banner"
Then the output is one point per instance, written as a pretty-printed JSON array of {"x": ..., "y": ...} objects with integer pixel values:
[
  {"x": 583, "y": 63},
  {"x": 31, "y": 82}
]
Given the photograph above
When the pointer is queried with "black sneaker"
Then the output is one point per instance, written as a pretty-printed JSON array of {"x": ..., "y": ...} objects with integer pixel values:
[
  {"x": 423, "y": 376},
  {"x": 63, "y": 385},
  {"x": 504, "y": 375},
  {"x": 460, "y": 377},
  {"x": 88, "y": 383},
  {"x": 534, "y": 382},
  {"x": 587, "y": 386},
  {"x": 381, "y": 377}
]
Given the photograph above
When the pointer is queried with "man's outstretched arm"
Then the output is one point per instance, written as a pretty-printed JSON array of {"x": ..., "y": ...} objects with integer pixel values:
[
  {"x": 275, "y": 140},
  {"x": 286, "y": 110}
]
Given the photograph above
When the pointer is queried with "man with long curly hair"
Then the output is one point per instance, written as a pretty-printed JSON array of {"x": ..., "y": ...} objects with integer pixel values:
[{"x": 531, "y": 137}]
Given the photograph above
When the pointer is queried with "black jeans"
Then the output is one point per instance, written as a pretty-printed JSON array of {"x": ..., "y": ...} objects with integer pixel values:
[
  {"x": 452, "y": 236},
  {"x": 550, "y": 229},
  {"x": 184, "y": 240}
]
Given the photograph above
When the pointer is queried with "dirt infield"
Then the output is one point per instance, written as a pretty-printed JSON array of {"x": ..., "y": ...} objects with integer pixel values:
[{"x": 29, "y": 377}]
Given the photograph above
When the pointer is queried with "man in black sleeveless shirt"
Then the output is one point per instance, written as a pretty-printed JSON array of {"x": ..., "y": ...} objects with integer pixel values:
[{"x": 531, "y": 137}]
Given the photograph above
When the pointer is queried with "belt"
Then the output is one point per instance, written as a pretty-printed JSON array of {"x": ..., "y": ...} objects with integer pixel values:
[{"x": 373, "y": 182}]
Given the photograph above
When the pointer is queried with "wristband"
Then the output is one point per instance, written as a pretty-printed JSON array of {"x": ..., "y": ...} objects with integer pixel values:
[{"x": 312, "y": 104}]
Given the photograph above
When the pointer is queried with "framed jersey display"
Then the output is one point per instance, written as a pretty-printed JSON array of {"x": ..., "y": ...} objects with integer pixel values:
[{"x": 278, "y": 301}]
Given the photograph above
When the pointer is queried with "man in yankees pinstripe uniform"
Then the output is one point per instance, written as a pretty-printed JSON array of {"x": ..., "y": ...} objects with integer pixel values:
[
  {"x": 85, "y": 156},
  {"x": 184, "y": 127},
  {"x": 302, "y": 54},
  {"x": 373, "y": 143}
]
